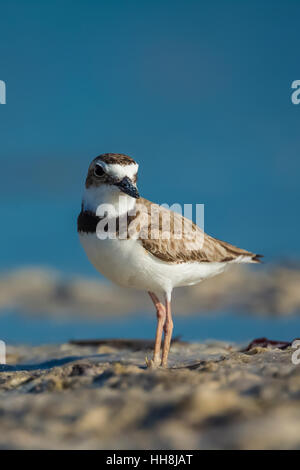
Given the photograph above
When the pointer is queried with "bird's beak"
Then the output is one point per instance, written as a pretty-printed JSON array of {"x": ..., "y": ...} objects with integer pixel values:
[{"x": 127, "y": 186}]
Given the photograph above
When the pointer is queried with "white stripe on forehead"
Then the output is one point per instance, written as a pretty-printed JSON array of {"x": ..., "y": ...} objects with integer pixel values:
[{"x": 120, "y": 171}]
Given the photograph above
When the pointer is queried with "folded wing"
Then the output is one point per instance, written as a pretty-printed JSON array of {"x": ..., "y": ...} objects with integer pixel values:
[{"x": 175, "y": 239}]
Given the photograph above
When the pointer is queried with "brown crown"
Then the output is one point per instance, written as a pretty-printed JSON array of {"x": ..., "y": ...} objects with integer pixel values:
[{"x": 118, "y": 158}]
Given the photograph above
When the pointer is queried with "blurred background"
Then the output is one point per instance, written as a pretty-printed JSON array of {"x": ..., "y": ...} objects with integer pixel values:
[{"x": 199, "y": 93}]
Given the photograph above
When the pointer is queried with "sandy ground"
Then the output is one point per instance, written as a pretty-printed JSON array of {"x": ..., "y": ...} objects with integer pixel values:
[{"x": 102, "y": 397}]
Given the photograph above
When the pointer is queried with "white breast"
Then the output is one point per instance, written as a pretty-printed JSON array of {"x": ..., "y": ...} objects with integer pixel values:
[{"x": 127, "y": 263}]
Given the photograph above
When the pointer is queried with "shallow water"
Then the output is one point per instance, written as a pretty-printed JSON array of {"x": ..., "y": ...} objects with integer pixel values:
[{"x": 17, "y": 328}]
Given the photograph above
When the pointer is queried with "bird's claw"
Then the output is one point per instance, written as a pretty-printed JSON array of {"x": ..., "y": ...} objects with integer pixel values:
[{"x": 153, "y": 363}]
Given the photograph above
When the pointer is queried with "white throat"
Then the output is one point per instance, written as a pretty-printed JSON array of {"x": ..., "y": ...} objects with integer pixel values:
[{"x": 107, "y": 199}]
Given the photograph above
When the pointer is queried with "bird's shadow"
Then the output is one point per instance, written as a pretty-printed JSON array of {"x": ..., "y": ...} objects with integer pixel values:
[
  {"x": 48, "y": 364},
  {"x": 119, "y": 344}
]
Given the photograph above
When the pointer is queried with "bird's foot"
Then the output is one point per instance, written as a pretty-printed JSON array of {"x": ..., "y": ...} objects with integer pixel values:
[{"x": 154, "y": 363}]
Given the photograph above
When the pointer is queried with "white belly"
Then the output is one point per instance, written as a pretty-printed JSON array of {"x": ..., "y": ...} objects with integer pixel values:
[{"x": 128, "y": 264}]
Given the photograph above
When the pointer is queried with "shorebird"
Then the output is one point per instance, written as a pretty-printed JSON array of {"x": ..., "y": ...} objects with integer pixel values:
[{"x": 147, "y": 257}]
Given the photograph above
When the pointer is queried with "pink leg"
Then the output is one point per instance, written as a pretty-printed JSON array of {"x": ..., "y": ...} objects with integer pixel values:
[
  {"x": 168, "y": 328},
  {"x": 161, "y": 317}
]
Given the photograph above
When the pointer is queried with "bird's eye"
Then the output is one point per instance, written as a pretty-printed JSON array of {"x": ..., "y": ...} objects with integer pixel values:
[{"x": 98, "y": 171}]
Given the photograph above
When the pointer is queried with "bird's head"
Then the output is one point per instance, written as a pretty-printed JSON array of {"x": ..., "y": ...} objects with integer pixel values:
[{"x": 109, "y": 176}]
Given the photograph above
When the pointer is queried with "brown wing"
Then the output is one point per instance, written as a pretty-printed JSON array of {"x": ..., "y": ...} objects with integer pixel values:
[{"x": 173, "y": 238}]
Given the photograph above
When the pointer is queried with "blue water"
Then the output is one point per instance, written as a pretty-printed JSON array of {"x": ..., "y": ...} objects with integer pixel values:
[
  {"x": 185, "y": 89},
  {"x": 16, "y": 328}
]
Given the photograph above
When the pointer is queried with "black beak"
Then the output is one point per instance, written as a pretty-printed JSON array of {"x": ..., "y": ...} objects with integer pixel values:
[{"x": 128, "y": 187}]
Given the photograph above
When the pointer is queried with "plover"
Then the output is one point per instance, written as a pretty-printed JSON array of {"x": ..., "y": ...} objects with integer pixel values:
[{"x": 154, "y": 261}]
